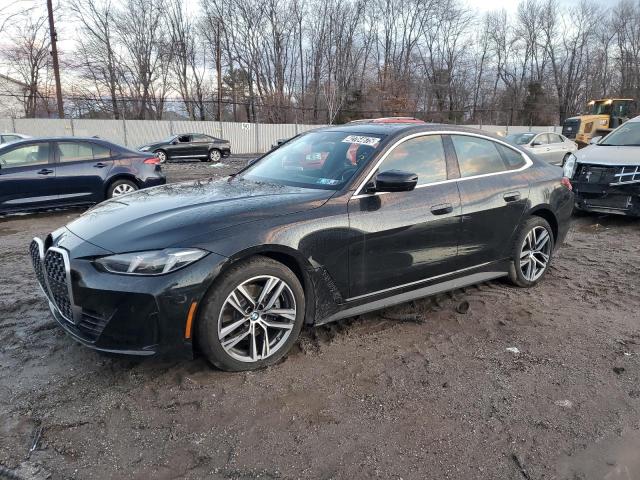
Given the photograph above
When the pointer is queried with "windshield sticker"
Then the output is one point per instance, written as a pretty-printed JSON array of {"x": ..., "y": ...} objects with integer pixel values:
[
  {"x": 360, "y": 140},
  {"x": 327, "y": 181}
]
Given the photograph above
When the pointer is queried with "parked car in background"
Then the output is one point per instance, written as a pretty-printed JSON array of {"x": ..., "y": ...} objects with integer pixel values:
[
  {"x": 552, "y": 147},
  {"x": 62, "y": 171},
  {"x": 606, "y": 174},
  {"x": 11, "y": 137},
  {"x": 190, "y": 145},
  {"x": 335, "y": 223}
]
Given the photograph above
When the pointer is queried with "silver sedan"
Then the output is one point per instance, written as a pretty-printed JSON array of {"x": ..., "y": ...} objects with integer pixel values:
[{"x": 552, "y": 147}]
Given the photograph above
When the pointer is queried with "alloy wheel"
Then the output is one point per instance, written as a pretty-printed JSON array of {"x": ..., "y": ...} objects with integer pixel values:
[
  {"x": 123, "y": 189},
  {"x": 535, "y": 253},
  {"x": 257, "y": 318},
  {"x": 162, "y": 156},
  {"x": 214, "y": 156}
]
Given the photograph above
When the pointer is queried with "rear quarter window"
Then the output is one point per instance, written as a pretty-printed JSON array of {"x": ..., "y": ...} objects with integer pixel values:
[{"x": 477, "y": 156}]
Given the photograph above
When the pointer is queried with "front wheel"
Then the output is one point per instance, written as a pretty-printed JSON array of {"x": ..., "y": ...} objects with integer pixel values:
[
  {"x": 531, "y": 252},
  {"x": 215, "y": 155},
  {"x": 251, "y": 316},
  {"x": 161, "y": 154}
]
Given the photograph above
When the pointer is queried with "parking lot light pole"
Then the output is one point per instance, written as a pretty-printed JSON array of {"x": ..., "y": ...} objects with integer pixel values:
[{"x": 54, "y": 55}]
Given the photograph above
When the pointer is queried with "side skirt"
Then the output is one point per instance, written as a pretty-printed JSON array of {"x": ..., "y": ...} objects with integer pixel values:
[{"x": 412, "y": 295}]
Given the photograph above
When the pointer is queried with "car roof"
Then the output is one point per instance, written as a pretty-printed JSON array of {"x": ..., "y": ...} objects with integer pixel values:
[
  {"x": 393, "y": 129},
  {"x": 634, "y": 119},
  {"x": 62, "y": 139}
]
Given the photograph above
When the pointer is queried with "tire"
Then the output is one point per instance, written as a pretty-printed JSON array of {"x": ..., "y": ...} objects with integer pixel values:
[
  {"x": 162, "y": 155},
  {"x": 214, "y": 155},
  {"x": 528, "y": 271},
  {"x": 121, "y": 187},
  {"x": 232, "y": 350}
]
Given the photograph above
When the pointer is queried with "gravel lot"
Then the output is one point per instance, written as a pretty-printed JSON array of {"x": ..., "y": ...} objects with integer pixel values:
[{"x": 418, "y": 391}]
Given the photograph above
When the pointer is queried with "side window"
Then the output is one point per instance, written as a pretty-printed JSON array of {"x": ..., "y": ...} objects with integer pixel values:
[
  {"x": 555, "y": 138},
  {"x": 423, "y": 156},
  {"x": 26, "y": 155},
  {"x": 542, "y": 139},
  {"x": 513, "y": 159},
  {"x": 74, "y": 151},
  {"x": 100, "y": 152},
  {"x": 184, "y": 138},
  {"x": 477, "y": 156},
  {"x": 9, "y": 138},
  {"x": 202, "y": 138}
]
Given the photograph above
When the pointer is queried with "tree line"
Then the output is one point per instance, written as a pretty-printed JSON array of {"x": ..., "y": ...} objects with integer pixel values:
[{"x": 328, "y": 61}]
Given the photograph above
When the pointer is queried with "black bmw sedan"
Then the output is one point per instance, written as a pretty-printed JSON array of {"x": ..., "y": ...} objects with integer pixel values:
[
  {"x": 335, "y": 223},
  {"x": 190, "y": 145},
  {"x": 39, "y": 173}
]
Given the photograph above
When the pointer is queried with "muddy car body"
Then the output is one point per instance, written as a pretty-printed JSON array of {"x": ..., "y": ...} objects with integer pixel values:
[
  {"x": 606, "y": 174},
  {"x": 394, "y": 212}
]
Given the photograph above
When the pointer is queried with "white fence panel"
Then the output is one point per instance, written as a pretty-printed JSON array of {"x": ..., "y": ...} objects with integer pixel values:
[
  {"x": 244, "y": 137},
  {"x": 44, "y": 127},
  {"x": 112, "y": 130},
  {"x": 190, "y": 126},
  {"x": 141, "y": 132}
]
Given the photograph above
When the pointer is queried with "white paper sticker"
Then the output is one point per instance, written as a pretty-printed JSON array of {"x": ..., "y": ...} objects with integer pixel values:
[{"x": 361, "y": 140}]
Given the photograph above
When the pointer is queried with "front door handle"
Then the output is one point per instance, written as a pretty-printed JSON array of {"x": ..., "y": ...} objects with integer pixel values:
[
  {"x": 100, "y": 165},
  {"x": 511, "y": 197},
  {"x": 45, "y": 171},
  {"x": 442, "y": 209}
]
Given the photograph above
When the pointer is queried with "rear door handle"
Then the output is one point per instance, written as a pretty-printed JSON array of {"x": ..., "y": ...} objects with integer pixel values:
[
  {"x": 100, "y": 165},
  {"x": 511, "y": 196},
  {"x": 45, "y": 171},
  {"x": 442, "y": 209}
]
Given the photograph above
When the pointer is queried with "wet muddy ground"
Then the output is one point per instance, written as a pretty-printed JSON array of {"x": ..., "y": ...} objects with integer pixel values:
[{"x": 418, "y": 391}]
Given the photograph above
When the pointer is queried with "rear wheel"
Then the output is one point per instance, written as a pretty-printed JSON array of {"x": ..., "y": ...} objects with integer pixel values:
[
  {"x": 251, "y": 316},
  {"x": 121, "y": 187},
  {"x": 531, "y": 252}
]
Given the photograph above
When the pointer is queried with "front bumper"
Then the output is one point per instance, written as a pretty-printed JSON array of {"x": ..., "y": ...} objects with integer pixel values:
[
  {"x": 138, "y": 315},
  {"x": 619, "y": 200}
]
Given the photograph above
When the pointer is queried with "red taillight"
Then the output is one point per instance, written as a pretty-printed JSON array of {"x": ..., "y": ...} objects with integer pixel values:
[
  {"x": 567, "y": 183},
  {"x": 152, "y": 161}
]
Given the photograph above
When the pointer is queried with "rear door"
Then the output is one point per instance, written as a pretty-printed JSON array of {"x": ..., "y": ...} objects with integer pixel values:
[
  {"x": 494, "y": 191},
  {"x": 81, "y": 170},
  {"x": 542, "y": 147},
  {"x": 406, "y": 237},
  {"x": 557, "y": 149},
  {"x": 201, "y": 144},
  {"x": 27, "y": 177}
]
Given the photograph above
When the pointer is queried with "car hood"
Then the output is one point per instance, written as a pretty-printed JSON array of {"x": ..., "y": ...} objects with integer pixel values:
[
  {"x": 169, "y": 215},
  {"x": 603, "y": 155}
]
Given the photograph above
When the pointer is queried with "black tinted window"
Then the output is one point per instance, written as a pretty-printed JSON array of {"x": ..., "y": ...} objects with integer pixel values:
[
  {"x": 423, "y": 156},
  {"x": 202, "y": 138},
  {"x": 513, "y": 159},
  {"x": 74, "y": 151},
  {"x": 477, "y": 156}
]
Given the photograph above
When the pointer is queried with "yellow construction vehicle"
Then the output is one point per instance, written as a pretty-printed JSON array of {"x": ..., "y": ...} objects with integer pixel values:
[{"x": 602, "y": 116}]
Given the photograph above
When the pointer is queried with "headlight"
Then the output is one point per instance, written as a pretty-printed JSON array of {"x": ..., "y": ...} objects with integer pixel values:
[
  {"x": 154, "y": 262},
  {"x": 569, "y": 167}
]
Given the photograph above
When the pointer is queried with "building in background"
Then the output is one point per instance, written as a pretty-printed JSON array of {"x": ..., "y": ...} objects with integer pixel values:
[{"x": 12, "y": 95}]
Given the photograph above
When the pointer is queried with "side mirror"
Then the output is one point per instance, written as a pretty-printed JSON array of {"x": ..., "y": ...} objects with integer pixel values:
[
  {"x": 536, "y": 144},
  {"x": 175, "y": 142},
  {"x": 251, "y": 161},
  {"x": 595, "y": 140},
  {"x": 395, "y": 181}
]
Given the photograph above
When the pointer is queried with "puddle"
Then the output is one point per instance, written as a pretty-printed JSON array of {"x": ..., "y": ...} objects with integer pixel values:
[{"x": 612, "y": 458}]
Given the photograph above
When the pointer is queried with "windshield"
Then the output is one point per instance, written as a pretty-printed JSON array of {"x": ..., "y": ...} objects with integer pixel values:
[
  {"x": 324, "y": 160},
  {"x": 520, "y": 138},
  {"x": 626, "y": 135},
  {"x": 601, "y": 108}
]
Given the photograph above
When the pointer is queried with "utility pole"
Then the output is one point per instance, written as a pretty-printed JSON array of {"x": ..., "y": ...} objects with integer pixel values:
[
  {"x": 54, "y": 54},
  {"x": 219, "y": 71}
]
